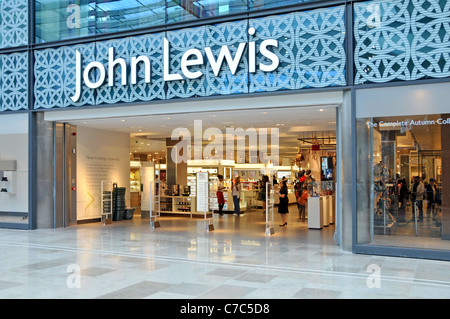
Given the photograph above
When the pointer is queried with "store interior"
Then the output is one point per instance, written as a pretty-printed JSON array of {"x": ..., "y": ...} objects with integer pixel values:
[
  {"x": 301, "y": 139},
  {"x": 408, "y": 164}
]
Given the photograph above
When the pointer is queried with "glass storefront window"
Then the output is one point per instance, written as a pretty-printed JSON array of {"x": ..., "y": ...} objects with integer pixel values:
[
  {"x": 64, "y": 19},
  {"x": 403, "y": 181},
  {"x": 14, "y": 171},
  {"x": 265, "y": 4},
  {"x": 59, "y": 20},
  {"x": 67, "y": 19},
  {"x": 179, "y": 10},
  {"x": 121, "y": 15}
]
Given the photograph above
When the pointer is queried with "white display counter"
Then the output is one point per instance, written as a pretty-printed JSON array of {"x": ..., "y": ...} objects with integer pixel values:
[
  {"x": 321, "y": 211},
  {"x": 315, "y": 216}
]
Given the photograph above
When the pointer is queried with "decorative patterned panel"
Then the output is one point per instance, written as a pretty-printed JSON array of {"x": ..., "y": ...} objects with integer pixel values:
[
  {"x": 14, "y": 81},
  {"x": 48, "y": 73},
  {"x": 181, "y": 41},
  {"x": 69, "y": 65},
  {"x": 311, "y": 50},
  {"x": 54, "y": 72},
  {"x": 148, "y": 45},
  {"x": 230, "y": 34},
  {"x": 401, "y": 40},
  {"x": 13, "y": 23},
  {"x": 151, "y": 46}
]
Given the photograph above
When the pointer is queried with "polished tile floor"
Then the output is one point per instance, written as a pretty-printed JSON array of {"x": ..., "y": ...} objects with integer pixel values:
[{"x": 181, "y": 260}]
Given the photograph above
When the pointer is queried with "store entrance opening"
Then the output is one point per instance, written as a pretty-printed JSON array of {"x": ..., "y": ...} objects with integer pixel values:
[{"x": 293, "y": 149}]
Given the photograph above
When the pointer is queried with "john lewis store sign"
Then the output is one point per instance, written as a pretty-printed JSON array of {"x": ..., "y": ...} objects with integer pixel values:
[{"x": 190, "y": 59}]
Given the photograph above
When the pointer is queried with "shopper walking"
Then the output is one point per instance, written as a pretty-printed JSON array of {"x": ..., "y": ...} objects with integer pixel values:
[
  {"x": 262, "y": 191},
  {"x": 220, "y": 197},
  {"x": 431, "y": 192},
  {"x": 402, "y": 197},
  {"x": 418, "y": 192},
  {"x": 283, "y": 208},
  {"x": 301, "y": 200},
  {"x": 236, "y": 191}
]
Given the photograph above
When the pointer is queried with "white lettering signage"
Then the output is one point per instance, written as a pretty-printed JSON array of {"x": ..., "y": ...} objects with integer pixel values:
[{"x": 190, "y": 58}]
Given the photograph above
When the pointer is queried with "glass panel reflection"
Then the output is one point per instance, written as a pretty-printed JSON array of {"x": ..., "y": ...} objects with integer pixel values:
[
  {"x": 184, "y": 10},
  {"x": 121, "y": 15},
  {"x": 402, "y": 178},
  {"x": 59, "y": 20},
  {"x": 64, "y": 19},
  {"x": 265, "y": 4}
]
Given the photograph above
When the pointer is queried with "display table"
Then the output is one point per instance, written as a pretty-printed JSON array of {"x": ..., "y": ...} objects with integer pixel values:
[
  {"x": 315, "y": 212},
  {"x": 321, "y": 211},
  {"x": 178, "y": 205}
]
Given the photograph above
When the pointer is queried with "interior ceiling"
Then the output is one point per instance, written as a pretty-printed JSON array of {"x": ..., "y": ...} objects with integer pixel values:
[
  {"x": 425, "y": 137},
  {"x": 149, "y": 133}
]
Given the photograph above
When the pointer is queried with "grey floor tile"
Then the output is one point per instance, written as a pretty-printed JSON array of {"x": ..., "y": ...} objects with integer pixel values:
[
  {"x": 8, "y": 284},
  {"x": 227, "y": 292},
  {"x": 95, "y": 271},
  {"x": 226, "y": 272},
  {"x": 136, "y": 291},
  {"x": 314, "y": 293},
  {"x": 188, "y": 289},
  {"x": 255, "y": 277},
  {"x": 181, "y": 260}
]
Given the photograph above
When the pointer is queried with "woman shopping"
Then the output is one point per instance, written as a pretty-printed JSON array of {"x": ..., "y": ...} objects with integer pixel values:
[
  {"x": 220, "y": 197},
  {"x": 236, "y": 191},
  {"x": 283, "y": 208}
]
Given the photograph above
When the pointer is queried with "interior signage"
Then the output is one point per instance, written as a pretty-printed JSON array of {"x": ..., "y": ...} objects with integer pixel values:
[
  {"x": 407, "y": 123},
  {"x": 190, "y": 58}
]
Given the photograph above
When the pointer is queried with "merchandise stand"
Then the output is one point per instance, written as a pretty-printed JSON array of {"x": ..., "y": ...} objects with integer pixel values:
[
  {"x": 107, "y": 202},
  {"x": 155, "y": 204},
  {"x": 209, "y": 226},
  {"x": 269, "y": 209}
]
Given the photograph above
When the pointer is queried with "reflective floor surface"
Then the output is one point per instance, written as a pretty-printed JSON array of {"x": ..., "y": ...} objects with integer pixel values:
[{"x": 128, "y": 259}]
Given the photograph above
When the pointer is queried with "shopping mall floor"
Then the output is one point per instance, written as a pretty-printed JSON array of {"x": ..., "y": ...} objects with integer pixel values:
[{"x": 180, "y": 260}]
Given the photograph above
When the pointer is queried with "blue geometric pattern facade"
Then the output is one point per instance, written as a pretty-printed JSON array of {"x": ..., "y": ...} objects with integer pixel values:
[
  {"x": 149, "y": 45},
  {"x": 311, "y": 49},
  {"x": 13, "y": 23},
  {"x": 401, "y": 40},
  {"x": 393, "y": 40},
  {"x": 14, "y": 82},
  {"x": 54, "y": 74}
]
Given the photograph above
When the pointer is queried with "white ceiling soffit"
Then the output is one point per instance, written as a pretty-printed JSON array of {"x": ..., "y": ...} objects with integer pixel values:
[{"x": 323, "y": 99}]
